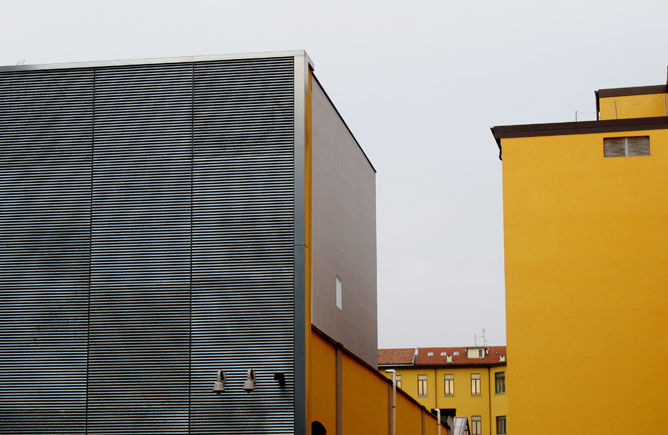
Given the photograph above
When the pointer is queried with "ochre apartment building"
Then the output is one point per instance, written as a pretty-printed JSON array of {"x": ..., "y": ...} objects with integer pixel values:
[
  {"x": 463, "y": 381},
  {"x": 586, "y": 255}
]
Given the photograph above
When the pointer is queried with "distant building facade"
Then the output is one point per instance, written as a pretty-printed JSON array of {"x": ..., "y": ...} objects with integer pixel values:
[
  {"x": 586, "y": 249},
  {"x": 469, "y": 380}
]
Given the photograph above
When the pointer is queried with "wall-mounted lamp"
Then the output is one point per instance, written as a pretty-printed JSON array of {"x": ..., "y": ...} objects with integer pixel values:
[
  {"x": 219, "y": 385},
  {"x": 280, "y": 377},
  {"x": 249, "y": 385}
]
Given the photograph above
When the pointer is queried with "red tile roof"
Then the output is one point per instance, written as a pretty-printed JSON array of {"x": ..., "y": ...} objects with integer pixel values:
[
  {"x": 438, "y": 356},
  {"x": 396, "y": 356}
]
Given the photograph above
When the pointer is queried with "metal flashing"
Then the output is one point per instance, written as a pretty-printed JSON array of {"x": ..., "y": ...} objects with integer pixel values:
[
  {"x": 159, "y": 60},
  {"x": 582, "y": 127},
  {"x": 634, "y": 90},
  {"x": 301, "y": 90}
]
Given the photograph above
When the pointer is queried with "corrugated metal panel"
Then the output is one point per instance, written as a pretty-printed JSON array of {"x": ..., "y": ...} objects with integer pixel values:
[
  {"x": 243, "y": 245},
  {"x": 135, "y": 266},
  {"x": 45, "y": 166},
  {"x": 140, "y": 281}
]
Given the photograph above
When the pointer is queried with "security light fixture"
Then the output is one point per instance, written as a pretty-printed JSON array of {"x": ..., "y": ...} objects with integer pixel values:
[
  {"x": 219, "y": 385},
  {"x": 249, "y": 385}
]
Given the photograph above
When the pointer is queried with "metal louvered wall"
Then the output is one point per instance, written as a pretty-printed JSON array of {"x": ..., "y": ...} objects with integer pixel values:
[
  {"x": 243, "y": 244},
  {"x": 45, "y": 172},
  {"x": 147, "y": 235},
  {"x": 140, "y": 256}
]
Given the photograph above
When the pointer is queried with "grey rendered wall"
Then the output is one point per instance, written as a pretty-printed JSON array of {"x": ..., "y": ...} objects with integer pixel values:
[
  {"x": 344, "y": 233},
  {"x": 147, "y": 236}
]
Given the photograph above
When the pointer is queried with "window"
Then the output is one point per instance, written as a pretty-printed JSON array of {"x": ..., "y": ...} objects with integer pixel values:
[
  {"x": 449, "y": 388},
  {"x": 626, "y": 146},
  {"x": 476, "y": 425},
  {"x": 430, "y": 353},
  {"x": 422, "y": 386},
  {"x": 398, "y": 380},
  {"x": 475, "y": 384},
  {"x": 501, "y": 425},
  {"x": 500, "y": 378},
  {"x": 339, "y": 296}
]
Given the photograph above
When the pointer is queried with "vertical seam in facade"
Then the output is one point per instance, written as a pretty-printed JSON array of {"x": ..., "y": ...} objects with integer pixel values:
[
  {"x": 90, "y": 249},
  {"x": 489, "y": 396},
  {"x": 423, "y": 422},
  {"x": 339, "y": 390},
  {"x": 190, "y": 292},
  {"x": 390, "y": 391}
]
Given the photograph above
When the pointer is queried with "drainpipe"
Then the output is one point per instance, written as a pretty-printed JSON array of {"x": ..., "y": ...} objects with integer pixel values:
[
  {"x": 438, "y": 417},
  {"x": 394, "y": 400}
]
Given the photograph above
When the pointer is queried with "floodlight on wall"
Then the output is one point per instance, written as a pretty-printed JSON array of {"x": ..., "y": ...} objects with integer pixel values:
[
  {"x": 219, "y": 385},
  {"x": 249, "y": 385}
]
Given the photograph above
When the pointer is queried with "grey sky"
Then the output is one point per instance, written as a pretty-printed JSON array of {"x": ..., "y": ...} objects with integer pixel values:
[{"x": 419, "y": 83}]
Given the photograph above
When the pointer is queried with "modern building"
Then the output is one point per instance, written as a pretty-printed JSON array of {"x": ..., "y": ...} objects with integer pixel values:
[
  {"x": 469, "y": 380},
  {"x": 188, "y": 246},
  {"x": 586, "y": 249}
]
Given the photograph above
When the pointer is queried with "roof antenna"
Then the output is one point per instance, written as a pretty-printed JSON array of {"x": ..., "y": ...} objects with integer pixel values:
[
  {"x": 475, "y": 340},
  {"x": 20, "y": 62},
  {"x": 484, "y": 338}
]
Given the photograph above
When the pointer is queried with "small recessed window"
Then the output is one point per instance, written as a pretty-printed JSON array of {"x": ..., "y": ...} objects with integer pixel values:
[
  {"x": 430, "y": 353},
  {"x": 442, "y": 353},
  {"x": 339, "y": 295},
  {"x": 626, "y": 146}
]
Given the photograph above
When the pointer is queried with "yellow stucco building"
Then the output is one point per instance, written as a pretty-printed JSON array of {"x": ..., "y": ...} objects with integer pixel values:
[
  {"x": 586, "y": 256},
  {"x": 465, "y": 381}
]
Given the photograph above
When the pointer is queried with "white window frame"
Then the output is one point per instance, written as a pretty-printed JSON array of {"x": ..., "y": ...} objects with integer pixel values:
[
  {"x": 476, "y": 425},
  {"x": 449, "y": 384},
  {"x": 475, "y": 384},
  {"x": 423, "y": 386}
]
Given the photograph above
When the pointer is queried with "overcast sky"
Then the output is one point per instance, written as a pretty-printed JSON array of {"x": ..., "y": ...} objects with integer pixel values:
[{"x": 420, "y": 83}]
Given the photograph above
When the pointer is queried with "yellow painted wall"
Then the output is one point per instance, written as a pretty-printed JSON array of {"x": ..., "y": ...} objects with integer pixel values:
[
  {"x": 409, "y": 383},
  {"x": 365, "y": 399},
  {"x": 467, "y": 404},
  {"x": 431, "y": 426},
  {"x": 323, "y": 390},
  {"x": 633, "y": 106},
  {"x": 409, "y": 417},
  {"x": 586, "y": 256},
  {"x": 366, "y": 396}
]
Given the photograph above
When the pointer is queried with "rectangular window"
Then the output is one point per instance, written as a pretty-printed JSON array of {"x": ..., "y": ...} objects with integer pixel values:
[
  {"x": 475, "y": 384},
  {"x": 398, "y": 379},
  {"x": 449, "y": 388},
  {"x": 339, "y": 295},
  {"x": 500, "y": 378},
  {"x": 422, "y": 386},
  {"x": 501, "y": 425},
  {"x": 626, "y": 146},
  {"x": 476, "y": 425}
]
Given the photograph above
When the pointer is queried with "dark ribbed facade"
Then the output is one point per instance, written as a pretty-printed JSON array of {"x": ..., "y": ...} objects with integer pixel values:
[{"x": 147, "y": 235}]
